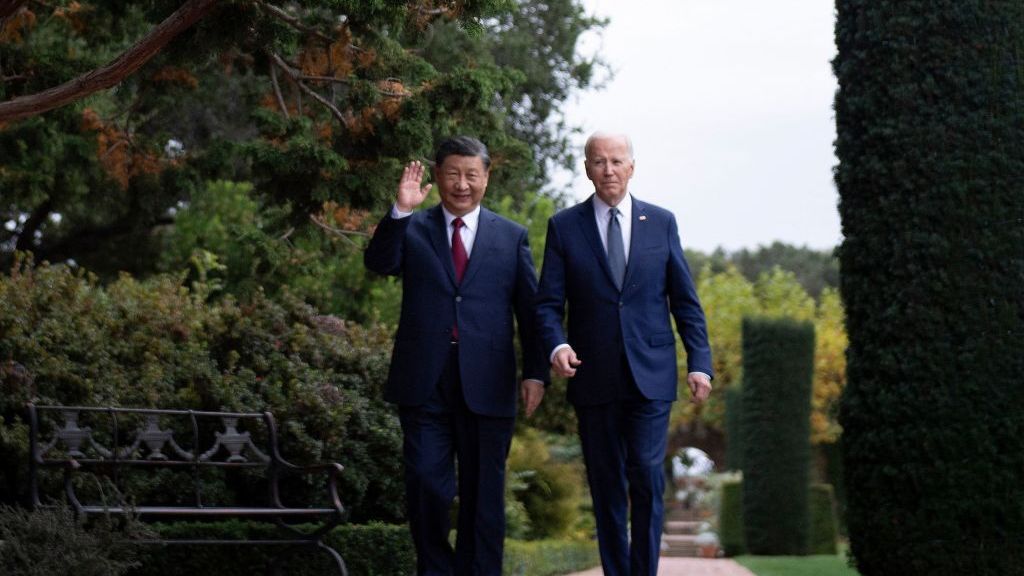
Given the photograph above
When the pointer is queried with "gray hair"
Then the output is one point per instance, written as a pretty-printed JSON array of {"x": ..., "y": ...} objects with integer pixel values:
[{"x": 601, "y": 135}]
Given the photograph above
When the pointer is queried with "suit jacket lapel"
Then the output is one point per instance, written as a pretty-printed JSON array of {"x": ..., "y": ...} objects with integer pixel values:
[
  {"x": 638, "y": 236},
  {"x": 439, "y": 239},
  {"x": 588, "y": 224},
  {"x": 482, "y": 244}
]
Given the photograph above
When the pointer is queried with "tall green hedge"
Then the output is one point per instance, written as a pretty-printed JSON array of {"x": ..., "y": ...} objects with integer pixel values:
[
  {"x": 733, "y": 427},
  {"x": 730, "y": 519},
  {"x": 778, "y": 365},
  {"x": 824, "y": 535},
  {"x": 930, "y": 141}
]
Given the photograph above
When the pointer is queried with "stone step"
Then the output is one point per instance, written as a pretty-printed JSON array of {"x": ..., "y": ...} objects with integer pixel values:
[
  {"x": 678, "y": 545},
  {"x": 683, "y": 526}
]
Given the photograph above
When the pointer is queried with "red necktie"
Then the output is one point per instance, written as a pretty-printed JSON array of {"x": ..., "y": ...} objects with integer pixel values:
[{"x": 459, "y": 256}]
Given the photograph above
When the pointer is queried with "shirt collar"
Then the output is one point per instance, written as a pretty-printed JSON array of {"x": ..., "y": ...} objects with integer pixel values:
[
  {"x": 625, "y": 208},
  {"x": 469, "y": 220}
]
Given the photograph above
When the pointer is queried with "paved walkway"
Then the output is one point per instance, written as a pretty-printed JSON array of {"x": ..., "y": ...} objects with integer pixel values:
[{"x": 688, "y": 567}]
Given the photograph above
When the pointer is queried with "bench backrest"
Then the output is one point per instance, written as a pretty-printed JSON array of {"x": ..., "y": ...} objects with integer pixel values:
[{"x": 108, "y": 440}]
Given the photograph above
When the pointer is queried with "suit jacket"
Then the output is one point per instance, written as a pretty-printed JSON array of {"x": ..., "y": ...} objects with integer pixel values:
[
  {"x": 603, "y": 320},
  {"x": 499, "y": 283}
]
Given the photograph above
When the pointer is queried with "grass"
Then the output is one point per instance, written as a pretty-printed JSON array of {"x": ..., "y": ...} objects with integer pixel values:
[{"x": 797, "y": 565}]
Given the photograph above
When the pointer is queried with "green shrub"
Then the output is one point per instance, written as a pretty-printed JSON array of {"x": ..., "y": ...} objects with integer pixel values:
[
  {"x": 373, "y": 549},
  {"x": 550, "y": 491},
  {"x": 51, "y": 541},
  {"x": 730, "y": 519},
  {"x": 824, "y": 532},
  {"x": 549, "y": 557},
  {"x": 64, "y": 339},
  {"x": 778, "y": 364},
  {"x": 930, "y": 142}
]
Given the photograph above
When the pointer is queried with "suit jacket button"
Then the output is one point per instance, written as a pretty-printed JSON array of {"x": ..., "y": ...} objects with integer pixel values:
[
  {"x": 621, "y": 304},
  {"x": 458, "y": 298}
]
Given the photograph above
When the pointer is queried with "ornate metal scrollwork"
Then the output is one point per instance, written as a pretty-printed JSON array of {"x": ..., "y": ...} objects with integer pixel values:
[{"x": 234, "y": 442}]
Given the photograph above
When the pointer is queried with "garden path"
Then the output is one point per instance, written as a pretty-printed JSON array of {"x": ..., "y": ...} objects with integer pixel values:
[{"x": 688, "y": 567}]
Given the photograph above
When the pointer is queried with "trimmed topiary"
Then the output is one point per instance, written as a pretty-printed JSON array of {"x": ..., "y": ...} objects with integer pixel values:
[{"x": 778, "y": 365}]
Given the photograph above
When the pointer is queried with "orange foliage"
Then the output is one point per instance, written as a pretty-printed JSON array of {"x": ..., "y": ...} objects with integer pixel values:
[
  {"x": 345, "y": 217},
  {"x": 176, "y": 75},
  {"x": 73, "y": 14},
  {"x": 118, "y": 156},
  {"x": 21, "y": 21}
]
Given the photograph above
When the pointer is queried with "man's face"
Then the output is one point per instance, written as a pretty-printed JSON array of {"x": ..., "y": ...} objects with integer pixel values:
[
  {"x": 461, "y": 181},
  {"x": 609, "y": 166}
]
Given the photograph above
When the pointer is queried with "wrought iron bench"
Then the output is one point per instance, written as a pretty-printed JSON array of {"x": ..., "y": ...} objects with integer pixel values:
[{"x": 122, "y": 439}]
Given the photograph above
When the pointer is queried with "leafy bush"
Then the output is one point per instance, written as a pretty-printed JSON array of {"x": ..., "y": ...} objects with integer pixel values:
[
  {"x": 549, "y": 557},
  {"x": 373, "y": 549},
  {"x": 778, "y": 364},
  {"x": 51, "y": 541},
  {"x": 550, "y": 491},
  {"x": 67, "y": 340}
]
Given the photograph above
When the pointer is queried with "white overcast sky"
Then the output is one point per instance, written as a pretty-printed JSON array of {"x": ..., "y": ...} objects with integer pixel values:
[{"x": 729, "y": 104}]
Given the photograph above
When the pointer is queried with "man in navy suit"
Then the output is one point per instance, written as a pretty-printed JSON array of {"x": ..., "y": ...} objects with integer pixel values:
[
  {"x": 466, "y": 272},
  {"x": 618, "y": 265}
]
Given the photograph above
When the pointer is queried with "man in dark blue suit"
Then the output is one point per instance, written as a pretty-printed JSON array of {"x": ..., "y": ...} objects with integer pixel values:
[
  {"x": 466, "y": 272},
  {"x": 618, "y": 264}
]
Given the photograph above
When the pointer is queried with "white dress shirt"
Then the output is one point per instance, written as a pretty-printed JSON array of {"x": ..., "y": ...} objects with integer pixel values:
[{"x": 471, "y": 223}]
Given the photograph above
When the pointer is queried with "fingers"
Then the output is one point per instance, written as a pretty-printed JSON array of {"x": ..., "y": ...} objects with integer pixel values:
[
  {"x": 700, "y": 387},
  {"x": 565, "y": 362},
  {"x": 533, "y": 393},
  {"x": 410, "y": 194}
]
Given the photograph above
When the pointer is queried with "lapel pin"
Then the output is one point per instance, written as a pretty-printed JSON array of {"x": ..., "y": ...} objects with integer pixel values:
[{"x": 642, "y": 218}]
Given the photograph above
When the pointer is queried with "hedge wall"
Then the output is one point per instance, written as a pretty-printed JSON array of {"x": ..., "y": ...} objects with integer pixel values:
[
  {"x": 730, "y": 519},
  {"x": 930, "y": 141},
  {"x": 733, "y": 427},
  {"x": 823, "y": 529},
  {"x": 824, "y": 534},
  {"x": 778, "y": 365}
]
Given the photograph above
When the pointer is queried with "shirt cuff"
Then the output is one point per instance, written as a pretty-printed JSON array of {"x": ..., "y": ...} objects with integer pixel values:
[
  {"x": 705, "y": 374},
  {"x": 525, "y": 380},
  {"x": 551, "y": 357},
  {"x": 398, "y": 214}
]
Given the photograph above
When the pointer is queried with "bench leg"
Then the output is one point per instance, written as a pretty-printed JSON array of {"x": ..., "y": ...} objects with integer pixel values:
[{"x": 338, "y": 561}]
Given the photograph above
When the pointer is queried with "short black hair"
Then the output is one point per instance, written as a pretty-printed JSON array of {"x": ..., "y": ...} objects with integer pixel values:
[{"x": 461, "y": 146}]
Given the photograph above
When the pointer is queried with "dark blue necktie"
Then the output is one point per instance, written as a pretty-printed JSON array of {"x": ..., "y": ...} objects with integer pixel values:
[{"x": 616, "y": 251}]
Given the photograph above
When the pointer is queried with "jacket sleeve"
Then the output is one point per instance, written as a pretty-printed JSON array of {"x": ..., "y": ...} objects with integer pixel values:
[
  {"x": 384, "y": 253},
  {"x": 535, "y": 365},
  {"x": 686, "y": 308},
  {"x": 550, "y": 309}
]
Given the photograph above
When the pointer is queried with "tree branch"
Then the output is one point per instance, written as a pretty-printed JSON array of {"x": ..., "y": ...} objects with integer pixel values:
[
  {"x": 102, "y": 78},
  {"x": 277, "y": 92},
  {"x": 294, "y": 76},
  {"x": 294, "y": 22},
  {"x": 335, "y": 231}
]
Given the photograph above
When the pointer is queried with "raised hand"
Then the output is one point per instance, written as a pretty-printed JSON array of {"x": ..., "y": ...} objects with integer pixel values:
[{"x": 410, "y": 194}]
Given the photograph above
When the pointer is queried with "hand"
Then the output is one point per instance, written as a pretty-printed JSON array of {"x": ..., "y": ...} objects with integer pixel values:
[
  {"x": 565, "y": 362},
  {"x": 410, "y": 195},
  {"x": 700, "y": 386},
  {"x": 532, "y": 392}
]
